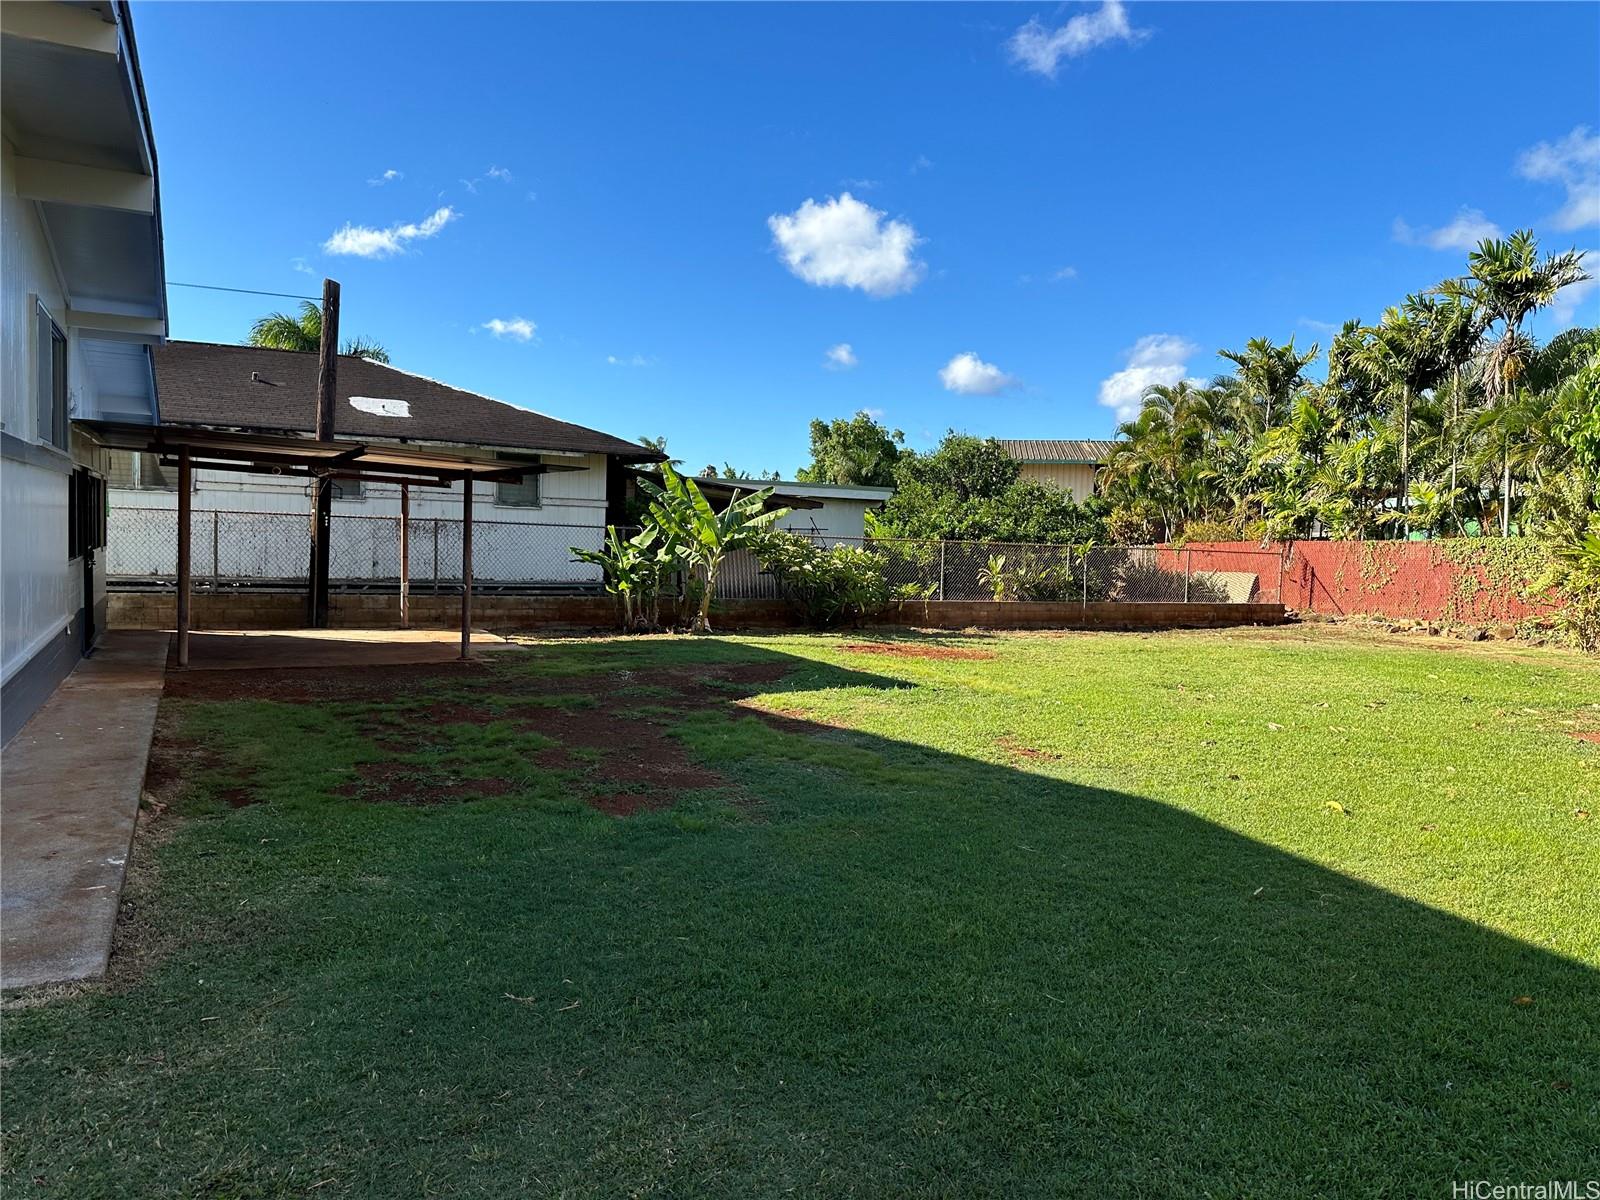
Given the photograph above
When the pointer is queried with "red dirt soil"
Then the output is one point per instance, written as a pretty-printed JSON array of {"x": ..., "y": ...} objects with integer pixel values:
[
  {"x": 632, "y": 764},
  {"x": 912, "y": 650}
]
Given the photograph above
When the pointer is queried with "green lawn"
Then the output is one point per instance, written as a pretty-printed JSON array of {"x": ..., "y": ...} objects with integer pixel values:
[{"x": 1079, "y": 917}]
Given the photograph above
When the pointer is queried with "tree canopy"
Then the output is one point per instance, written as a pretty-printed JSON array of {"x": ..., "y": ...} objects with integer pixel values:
[
  {"x": 858, "y": 451},
  {"x": 1443, "y": 416},
  {"x": 281, "y": 331},
  {"x": 970, "y": 488}
]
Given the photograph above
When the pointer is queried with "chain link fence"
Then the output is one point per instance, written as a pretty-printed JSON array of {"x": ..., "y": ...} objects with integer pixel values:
[
  {"x": 1007, "y": 571},
  {"x": 265, "y": 549}
]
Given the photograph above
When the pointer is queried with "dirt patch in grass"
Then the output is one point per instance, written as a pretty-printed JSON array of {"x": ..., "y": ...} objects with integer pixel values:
[
  {"x": 308, "y": 685},
  {"x": 614, "y": 738},
  {"x": 914, "y": 650},
  {"x": 1587, "y": 735},
  {"x": 1014, "y": 747},
  {"x": 407, "y": 783}
]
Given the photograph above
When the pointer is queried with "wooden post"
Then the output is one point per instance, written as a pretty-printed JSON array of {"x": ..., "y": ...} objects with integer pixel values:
[
  {"x": 405, "y": 556},
  {"x": 466, "y": 567},
  {"x": 1188, "y": 569},
  {"x": 184, "y": 506},
  {"x": 322, "y": 488}
]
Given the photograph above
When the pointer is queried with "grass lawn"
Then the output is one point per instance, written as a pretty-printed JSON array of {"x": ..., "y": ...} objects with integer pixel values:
[{"x": 1268, "y": 913}]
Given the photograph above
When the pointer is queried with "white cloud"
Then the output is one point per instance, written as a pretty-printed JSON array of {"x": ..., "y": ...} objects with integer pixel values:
[
  {"x": 1155, "y": 358},
  {"x": 517, "y": 329},
  {"x": 923, "y": 163},
  {"x": 389, "y": 176},
  {"x": 969, "y": 375},
  {"x": 845, "y": 243},
  {"x": 1064, "y": 274},
  {"x": 632, "y": 360},
  {"x": 1036, "y": 47},
  {"x": 1573, "y": 162},
  {"x": 874, "y": 413},
  {"x": 301, "y": 265},
  {"x": 499, "y": 174},
  {"x": 1464, "y": 233},
  {"x": 840, "y": 357},
  {"x": 1573, "y": 297},
  {"x": 363, "y": 241}
]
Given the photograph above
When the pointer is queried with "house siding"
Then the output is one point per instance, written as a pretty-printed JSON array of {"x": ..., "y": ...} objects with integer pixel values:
[{"x": 1075, "y": 478}]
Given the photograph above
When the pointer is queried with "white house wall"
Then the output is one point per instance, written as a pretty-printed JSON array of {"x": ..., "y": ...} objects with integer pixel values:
[
  {"x": 262, "y": 528},
  {"x": 835, "y": 519},
  {"x": 41, "y": 591}
]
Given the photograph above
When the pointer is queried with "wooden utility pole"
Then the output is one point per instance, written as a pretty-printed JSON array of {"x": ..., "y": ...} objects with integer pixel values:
[{"x": 322, "y": 487}]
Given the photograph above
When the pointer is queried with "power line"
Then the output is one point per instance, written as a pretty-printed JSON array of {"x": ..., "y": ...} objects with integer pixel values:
[{"x": 211, "y": 287}]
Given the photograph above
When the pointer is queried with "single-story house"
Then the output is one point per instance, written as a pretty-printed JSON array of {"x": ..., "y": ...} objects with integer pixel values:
[
  {"x": 830, "y": 512},
  {"x": 1067, "y": 464},
  {"x": 254, "y": 527},
  {"x": 82, "y": 302}
]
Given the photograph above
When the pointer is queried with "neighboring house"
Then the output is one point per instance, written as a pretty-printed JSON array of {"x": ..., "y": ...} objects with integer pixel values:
[
  {"x": 828, "y": 511},
  {"x": 1068, "y": 465},
  {"x": 83, "y": 299},
  {"x": 254, "y": 527}
]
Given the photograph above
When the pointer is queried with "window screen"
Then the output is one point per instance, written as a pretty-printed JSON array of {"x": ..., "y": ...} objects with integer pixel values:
[{"x": 524, "y": 494}]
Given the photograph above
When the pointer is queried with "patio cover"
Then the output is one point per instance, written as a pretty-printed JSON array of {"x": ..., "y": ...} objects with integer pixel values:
[{"x": 339, "y": 458}]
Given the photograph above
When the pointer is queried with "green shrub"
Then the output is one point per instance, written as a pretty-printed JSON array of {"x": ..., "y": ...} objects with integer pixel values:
[
  {"x": 1209, "y": 531},
  {"x": 826, "y": 587}
]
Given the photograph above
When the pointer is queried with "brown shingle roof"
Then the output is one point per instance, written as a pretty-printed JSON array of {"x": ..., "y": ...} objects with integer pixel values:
[
  {"x": 1046, "y": 450},
  {"x": 204, "y": 383}
]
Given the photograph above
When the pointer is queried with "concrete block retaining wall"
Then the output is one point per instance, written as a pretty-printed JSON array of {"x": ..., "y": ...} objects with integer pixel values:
[{"x": 532, "y": 614}]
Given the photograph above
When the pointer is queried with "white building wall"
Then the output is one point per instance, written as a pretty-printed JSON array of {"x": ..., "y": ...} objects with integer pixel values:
[
  {"x": 835, "y": 519},
  {"x": 262, "y": 530},
  {"x": 41, "y": 591}
]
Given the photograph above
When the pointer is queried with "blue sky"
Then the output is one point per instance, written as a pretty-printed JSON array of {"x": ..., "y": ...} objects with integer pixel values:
[{"x": 602, "y": 213}]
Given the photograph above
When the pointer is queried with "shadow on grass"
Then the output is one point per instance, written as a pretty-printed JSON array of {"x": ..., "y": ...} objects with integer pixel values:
[{"x": 916, "y": 974}]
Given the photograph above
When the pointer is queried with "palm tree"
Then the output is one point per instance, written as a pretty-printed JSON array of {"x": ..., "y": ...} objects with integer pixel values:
[
  {"x": 1507, "y": 282},
  {"x": 1400, "y": 358},
  {"x": 280, "y": 331},
  {"x": 1270, "y": 375}
]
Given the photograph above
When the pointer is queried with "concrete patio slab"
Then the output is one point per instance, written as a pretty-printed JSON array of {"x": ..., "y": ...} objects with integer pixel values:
[
  {"x": 69, "y": 798},
  {"x": 244, "y": 649}
]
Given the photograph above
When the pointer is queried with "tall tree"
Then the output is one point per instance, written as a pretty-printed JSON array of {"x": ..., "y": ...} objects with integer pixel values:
[
  {"x": 1269, "y": 376},
  {"x": 280, "y": 331},
  {"x": 858, "y": 451},
  {"x": 1508, "y": 282}
]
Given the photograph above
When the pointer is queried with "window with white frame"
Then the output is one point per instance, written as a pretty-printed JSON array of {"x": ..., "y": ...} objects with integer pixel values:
[
  {"x": 52, "y": 382},
  {"x": 524, "y": 494}
]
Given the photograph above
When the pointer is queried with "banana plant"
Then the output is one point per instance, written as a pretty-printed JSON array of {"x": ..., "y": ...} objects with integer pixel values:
[
  {"x": 632, "y": 569},
  {"x": 702, "y": 536}
]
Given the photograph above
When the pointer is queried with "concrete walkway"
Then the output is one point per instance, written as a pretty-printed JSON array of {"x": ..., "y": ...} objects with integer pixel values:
[{"x": 69, "y": 796}]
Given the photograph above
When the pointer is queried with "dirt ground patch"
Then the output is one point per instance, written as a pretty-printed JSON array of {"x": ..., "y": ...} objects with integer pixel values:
[
  {"x": 615, "y": 737},
  {"x": 1587, "y": 735},
  {"x": 407, "y": 783},
  {"x": 1012, "y": 746},
  {"x": 914, "y": 650}
]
